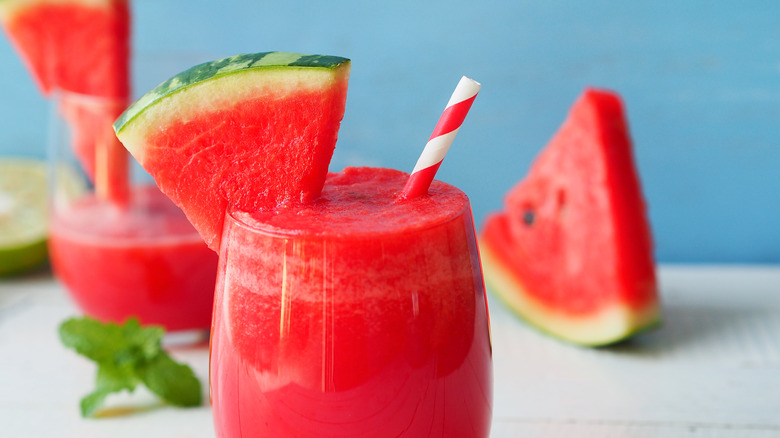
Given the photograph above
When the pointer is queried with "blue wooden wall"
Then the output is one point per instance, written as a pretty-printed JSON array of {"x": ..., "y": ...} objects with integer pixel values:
[{"x": 701, "y": 81}]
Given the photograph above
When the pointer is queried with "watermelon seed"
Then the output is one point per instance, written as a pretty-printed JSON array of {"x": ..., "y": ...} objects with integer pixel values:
[{"x": 528, "y": 217}]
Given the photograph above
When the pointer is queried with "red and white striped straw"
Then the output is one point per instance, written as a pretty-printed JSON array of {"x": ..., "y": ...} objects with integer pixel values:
[{"x": 441, "y": 139}]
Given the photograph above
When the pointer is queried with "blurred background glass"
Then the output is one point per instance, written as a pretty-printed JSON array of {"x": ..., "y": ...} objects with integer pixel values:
[{"x": 119, "y": 246}]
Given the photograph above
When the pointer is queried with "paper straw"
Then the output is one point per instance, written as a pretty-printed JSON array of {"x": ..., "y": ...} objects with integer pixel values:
[{"x": 441, "y": 139}]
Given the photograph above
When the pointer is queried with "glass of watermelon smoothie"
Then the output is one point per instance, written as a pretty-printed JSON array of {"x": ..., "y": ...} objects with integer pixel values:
[
  {"x": 342, "y": 309},
  {"x": 117, "y": 243},
  {"x": 355, "y": 315}
]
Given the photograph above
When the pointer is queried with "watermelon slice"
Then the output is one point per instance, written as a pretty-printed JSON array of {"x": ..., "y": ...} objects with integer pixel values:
[
  {"x": 250, "y": 131},
  {"x": 82, "y": 46},
  {"x": 572, "y": 251}
]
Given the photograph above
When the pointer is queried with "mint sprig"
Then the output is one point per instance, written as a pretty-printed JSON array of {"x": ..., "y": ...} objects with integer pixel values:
[{"x": 128, "y": 355}]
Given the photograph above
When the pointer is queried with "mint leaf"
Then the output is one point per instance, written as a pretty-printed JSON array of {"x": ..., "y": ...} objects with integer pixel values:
[
  {"x": 110, "y": 379},
  {"x": 171, "y": 381},
  {"x": 92, "y": 402},
  {"x": 92, "y": 339},
  {"x": 147, "y": 340},
  {"x": 127, "y": 355},
  {"x": 114, "y": 379}
]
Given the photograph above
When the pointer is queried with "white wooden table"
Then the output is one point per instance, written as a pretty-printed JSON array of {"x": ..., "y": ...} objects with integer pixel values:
[{"x": 712, "y": 370}]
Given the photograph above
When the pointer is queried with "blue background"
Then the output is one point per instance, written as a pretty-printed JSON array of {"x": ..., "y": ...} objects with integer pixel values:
[{"x": 700, "y": 79}]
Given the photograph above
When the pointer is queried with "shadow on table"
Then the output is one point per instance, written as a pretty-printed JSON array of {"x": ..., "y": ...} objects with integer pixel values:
[
  {"x": 33, "y": 274},
  {"x": 706, "y": 329},
  {"x": 125, "y": 410}
]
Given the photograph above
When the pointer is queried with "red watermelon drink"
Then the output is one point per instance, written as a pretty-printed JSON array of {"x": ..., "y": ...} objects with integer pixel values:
[
  {"x": 354, "y": 316},
  {"x": 120, "y": 246},
  {"x": 143, "y": 259},
  {"x": 342, "y": 308}
]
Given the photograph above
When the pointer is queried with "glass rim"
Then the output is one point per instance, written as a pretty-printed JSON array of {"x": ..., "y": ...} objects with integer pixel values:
[
  {"x": 259, "y": 227},
  {"x": 57, "y": 94}
]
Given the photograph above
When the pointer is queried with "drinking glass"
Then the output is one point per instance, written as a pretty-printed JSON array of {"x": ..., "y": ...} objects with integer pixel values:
[
  {"x": 119, "y": 246},
  {"x": 370, "y": 324}
]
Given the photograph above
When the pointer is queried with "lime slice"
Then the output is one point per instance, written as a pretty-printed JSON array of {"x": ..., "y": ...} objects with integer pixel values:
[{"x": 23, "y": 215}]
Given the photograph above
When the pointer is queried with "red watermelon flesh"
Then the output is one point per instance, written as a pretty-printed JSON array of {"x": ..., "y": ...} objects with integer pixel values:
[
  {"x": 250, "y": 132},
  {"x": 80, "y": 46},
  {"x": 257, "y": 135},
  {"x": 572, "y": 252}
]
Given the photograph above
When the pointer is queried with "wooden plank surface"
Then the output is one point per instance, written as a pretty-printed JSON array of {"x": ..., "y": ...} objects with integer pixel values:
[{"x": 712, "y": 370}]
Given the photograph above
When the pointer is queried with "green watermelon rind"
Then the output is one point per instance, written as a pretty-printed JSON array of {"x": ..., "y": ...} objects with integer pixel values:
[
  {"x": 224, "y": 67},
  {"x": 498, "y": 277}
]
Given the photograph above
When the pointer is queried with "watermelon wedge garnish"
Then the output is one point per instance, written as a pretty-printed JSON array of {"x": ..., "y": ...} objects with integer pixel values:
[
  {"x": 249, "y": 132},
  {"x": 572, "y": 251},
  {"x": 82, "y": 46}
]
